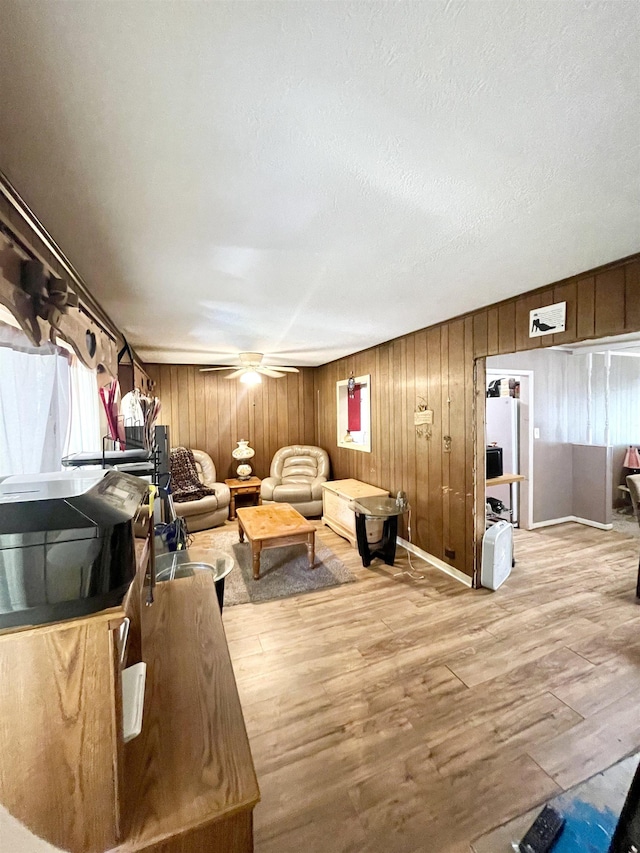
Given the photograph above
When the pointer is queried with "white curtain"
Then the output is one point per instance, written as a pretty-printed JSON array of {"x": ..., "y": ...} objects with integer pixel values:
[
  {"x": 34, "y": 404},
  {"x": 84, "y": 431}
]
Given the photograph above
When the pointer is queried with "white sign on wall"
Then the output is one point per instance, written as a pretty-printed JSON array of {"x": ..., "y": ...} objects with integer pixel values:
[{"x": 548, "y": 320}]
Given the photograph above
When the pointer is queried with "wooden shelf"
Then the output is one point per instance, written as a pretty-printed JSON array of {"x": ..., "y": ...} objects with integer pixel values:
[
  {"x": 505, "y": 480},
  {"x": 190, "y": 770},
  {"x": 185, "y": 784}
]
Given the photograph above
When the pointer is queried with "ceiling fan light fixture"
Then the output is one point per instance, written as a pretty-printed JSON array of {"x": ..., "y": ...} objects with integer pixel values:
[{"x": 251, "y": 377}]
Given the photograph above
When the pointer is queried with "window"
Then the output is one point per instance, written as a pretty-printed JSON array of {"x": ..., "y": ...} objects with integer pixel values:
[{"x": 354, "y": 413}]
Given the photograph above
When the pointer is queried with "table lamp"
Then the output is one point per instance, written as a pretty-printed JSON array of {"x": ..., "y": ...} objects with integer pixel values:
[
  {"x": 242, "y": 453},
  {"x": 632, "y": 458}
]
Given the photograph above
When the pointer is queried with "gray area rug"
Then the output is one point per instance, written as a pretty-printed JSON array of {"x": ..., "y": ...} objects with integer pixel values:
[
  {"x": 283, "y": 571},
  {"x": 626, "y": 523}
]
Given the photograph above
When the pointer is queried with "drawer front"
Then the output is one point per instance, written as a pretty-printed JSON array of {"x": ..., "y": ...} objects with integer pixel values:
[{"x": 247, "y": 490}]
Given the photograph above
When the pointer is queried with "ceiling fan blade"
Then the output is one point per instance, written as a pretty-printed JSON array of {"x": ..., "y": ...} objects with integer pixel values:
[
  {"x": 286, "y": 369},
  {"x": 209, "y": 369},
  {"x": 236, "y": 373},
  {"x": 267, "y": 371}
]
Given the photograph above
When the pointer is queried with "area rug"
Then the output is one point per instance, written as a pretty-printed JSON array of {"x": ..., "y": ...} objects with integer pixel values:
[{"x": 283, "y": 571}]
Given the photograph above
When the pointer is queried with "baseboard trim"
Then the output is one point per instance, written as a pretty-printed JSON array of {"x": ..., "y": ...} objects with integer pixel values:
[
  {"x": 586, "y": 521},
  {"x": 454, "y": 573}
]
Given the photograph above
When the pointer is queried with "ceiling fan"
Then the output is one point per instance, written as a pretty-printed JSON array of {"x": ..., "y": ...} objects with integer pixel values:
[{"x": 251, "y": 368}]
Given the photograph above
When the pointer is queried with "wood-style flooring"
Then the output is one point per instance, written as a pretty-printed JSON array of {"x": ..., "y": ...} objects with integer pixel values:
[{"x": 395, "y": 715}]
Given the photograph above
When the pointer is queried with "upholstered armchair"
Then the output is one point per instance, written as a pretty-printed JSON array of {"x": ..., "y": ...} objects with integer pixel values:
[
  {"x": 296, "y": 477},
  {"x": 633, "y": 484},
  {"x": 211, "y": 510}
]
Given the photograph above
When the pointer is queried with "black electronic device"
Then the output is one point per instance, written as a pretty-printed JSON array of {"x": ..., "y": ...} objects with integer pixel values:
[
  {"x": 543, "y": 832},
  {"x": 494, "y": 462},
  {"x": 66, "y": 543}
]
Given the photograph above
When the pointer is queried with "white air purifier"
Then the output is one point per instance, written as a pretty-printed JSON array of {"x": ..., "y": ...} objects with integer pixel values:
[{"x": 497, "y": 555}]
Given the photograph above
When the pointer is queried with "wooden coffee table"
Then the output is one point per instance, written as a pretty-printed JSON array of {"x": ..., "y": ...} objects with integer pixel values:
[{"x": 272, "y": 526}]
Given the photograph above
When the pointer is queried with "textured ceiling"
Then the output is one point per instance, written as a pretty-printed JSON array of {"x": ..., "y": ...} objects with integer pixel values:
[{"x": 309, "y": 179}]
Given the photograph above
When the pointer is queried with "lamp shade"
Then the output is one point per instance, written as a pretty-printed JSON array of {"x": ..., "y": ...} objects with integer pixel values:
[{"x": 631, "y": 458}]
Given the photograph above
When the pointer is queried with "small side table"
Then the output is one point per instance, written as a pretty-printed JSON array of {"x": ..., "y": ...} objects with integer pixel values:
[
  {"x": 243, "y": 487},
  {"x": 382, "y": 508}
]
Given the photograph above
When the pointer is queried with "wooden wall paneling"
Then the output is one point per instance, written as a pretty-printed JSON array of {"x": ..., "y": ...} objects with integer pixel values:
[
  {"x": 262, "y": 459},
  {"x": 175, "y": 416},
  {"x": 242, "y": 408},
  {"x": 272, "y": 419},
  {"x": 283, "y": 410},
  {"x": 364, "y": 366},
  {"x": 409, "y": 405},
  {"x": 493, "y": 347},
  {"x": 384, "y": 428},
  {"x": 399, "y": 446},
  {"x": 193, "y": 406},
  {"x": 167, "y": 398},
  {"x": 183, "y": 403},
  {"x": 210, "y": 419},
  {"x": 507, "y": 327},
  {"x": 429, "y": 363},
  {"x": 524, "y": 305},
  {"x": 479, "y": 470},
  {"x": 567, "y": 292},
  {"x": 458, "y": 431},
  {"x": 632, "y": 295},
  {"x": 309, "y": 396},
  {"x": 226, "y": 425},
  {"x": 609, "y": 302},
  {"x": 445, "y": 456},
  {"x": 373, "y": 463},
  {"x": 234, "y": 429},
  {"x": 324, "y": 402},
  {"x": 586, "y": 308},
  {"x": 295, "y": 392},
  {"x": 434, "y": 544},
  {"x": 469, "y": 441},
  {"x": 201, "y": 409},
  {"x": 420, "y": 500},
  {"x": 480, "y": 332}
]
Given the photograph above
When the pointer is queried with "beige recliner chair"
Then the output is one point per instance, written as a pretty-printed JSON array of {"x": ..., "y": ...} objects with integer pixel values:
[
  {"x": 212, "y": 510},
  {"x": 633, "y": 484},
  {"x": 296, "y": 477}
]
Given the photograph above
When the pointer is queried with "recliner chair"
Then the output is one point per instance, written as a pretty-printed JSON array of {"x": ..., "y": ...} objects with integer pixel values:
[
  {"x": 212, "y": 510},
  {"x": 633, "y": 484},
  {"x": 296, "y": 477}
]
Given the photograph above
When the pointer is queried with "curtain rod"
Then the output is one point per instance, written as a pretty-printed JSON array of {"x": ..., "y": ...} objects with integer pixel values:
[{"x": 97, "y": 313}]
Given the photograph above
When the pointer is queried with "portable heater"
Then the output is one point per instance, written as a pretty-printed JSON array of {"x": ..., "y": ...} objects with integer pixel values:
[{"x": 497, "y": 555}]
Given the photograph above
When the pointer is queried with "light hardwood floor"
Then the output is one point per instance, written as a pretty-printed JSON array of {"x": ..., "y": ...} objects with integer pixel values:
[{"x": 397, "y": 716}]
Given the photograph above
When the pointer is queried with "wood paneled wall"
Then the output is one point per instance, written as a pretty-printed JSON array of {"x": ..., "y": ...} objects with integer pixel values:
[
  {"x": 446, "y": 488},
  {"x": 442, "y": 366},
  {"x": 211, "y": 413}
]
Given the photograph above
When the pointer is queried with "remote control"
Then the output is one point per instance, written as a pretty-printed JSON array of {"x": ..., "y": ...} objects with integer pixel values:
[{"x": 543, "y": 832}]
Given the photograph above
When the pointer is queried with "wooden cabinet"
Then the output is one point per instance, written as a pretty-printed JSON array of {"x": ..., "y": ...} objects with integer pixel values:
[
  {"x": 336, "y": 497},
  {"x": 185, "y": 784}
]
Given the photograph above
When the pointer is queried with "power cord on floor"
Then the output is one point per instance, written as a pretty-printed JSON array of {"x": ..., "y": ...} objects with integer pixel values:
[{"x": 411, "y": 572}]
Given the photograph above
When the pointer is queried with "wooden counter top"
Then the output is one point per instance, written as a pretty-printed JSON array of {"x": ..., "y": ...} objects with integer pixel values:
[{"x": 191, "y": 766}]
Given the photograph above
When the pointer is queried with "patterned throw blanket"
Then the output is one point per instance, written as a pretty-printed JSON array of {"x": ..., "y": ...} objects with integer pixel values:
[{"x": 185, "y": 483}]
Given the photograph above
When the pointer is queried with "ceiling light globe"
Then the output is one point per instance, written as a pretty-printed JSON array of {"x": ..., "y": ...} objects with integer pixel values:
[{"x": 251, "y": 377}]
